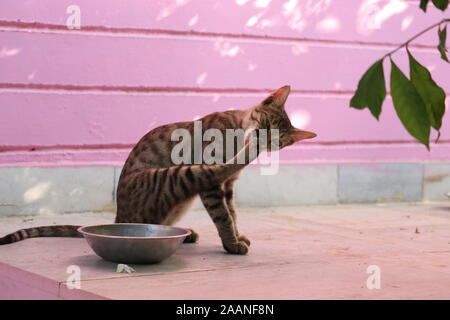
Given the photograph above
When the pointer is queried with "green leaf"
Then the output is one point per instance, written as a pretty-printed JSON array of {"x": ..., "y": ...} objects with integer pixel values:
[
  {"x": 409, "y": 106},
  {"x": 440, "y": 4},
  {"x": 423, "y": 5},
  {"x": 432, "y": 95},
  {"x": 442, "y": 43},
  {"x": 371, "y": 90}
]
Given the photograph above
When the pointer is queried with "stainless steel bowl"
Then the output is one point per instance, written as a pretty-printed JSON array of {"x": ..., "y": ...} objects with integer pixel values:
[{"x": 134, "y": 242}]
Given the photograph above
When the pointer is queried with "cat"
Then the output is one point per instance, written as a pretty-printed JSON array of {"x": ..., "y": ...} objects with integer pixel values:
[{"x": 151, "y": 189}]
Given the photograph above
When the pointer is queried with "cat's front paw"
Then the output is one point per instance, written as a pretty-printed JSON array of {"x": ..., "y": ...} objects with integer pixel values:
[
  {"x": 245, "y": 239},
  {"x": 239, "y": 247}
]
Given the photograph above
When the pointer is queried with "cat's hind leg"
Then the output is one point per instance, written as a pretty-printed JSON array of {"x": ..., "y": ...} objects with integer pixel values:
[{"x": 176, "y": 213}]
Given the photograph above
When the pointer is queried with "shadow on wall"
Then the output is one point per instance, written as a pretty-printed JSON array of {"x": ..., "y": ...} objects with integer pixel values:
[
  {"x": 30, "y": 191},
  {"x": 318, "y": 15}
]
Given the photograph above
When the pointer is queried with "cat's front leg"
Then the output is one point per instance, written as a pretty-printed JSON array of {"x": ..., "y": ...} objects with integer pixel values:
[
  {"x": 215, "y": 203},
  {"x": 229, "y": 198}
]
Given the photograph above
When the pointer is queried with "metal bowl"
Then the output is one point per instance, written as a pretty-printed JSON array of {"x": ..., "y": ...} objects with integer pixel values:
[{"x": 134, "y": 242}]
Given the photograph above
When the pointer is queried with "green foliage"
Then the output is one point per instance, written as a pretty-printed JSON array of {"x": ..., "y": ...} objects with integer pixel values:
[
  {"x": 442, "y": 34},
  {"x": 409, "y": 106},
  {"x": 371, "y": 90},
  {"x": 440, "y": 4},
  {"x": 419, "y": 102},
  {"x": 424, "y": 4},
  {"x": 432, "y": 95}
]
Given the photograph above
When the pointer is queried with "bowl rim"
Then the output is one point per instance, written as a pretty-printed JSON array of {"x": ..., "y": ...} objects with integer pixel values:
[{"x": 83, "y": 232}]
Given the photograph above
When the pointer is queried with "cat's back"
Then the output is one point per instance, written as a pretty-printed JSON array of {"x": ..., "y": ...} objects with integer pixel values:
[
  {"x": 154, "y": 148},
  {"x": 231, "y": 119}
]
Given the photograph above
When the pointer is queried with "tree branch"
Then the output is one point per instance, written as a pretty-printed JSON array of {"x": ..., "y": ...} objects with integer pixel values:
[{"x": 415, "y": 37}]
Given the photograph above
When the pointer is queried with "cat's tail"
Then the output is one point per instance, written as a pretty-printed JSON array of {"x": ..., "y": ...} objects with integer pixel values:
[{"x": 46, "y": 231}]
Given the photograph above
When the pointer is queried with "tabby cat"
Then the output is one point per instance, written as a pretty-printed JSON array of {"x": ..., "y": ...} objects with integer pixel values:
[{"x": 152, "y": 189}]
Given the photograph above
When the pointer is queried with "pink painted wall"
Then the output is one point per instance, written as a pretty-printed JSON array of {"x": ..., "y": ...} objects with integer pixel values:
[{"x": 84, "y": 97}]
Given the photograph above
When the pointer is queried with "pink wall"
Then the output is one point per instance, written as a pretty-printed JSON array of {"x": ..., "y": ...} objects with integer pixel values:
[{"x": 84, "y": 97}]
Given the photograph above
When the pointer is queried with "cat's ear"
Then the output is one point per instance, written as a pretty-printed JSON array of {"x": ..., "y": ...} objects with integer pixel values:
[
  {"x": 279, "y": 97},
  {"x": 298, "y": 135}
]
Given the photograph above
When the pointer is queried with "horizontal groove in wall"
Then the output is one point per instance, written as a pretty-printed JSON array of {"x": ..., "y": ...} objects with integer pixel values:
[
  {"x": 32, "y": 148},
  {"x": 371, "y": 153},
  {"x": 121, "y": 146},
  {"x": 20, "y": 26},
  {"x": 61, "y": 88},
  {"x": 143, "y": 90}
]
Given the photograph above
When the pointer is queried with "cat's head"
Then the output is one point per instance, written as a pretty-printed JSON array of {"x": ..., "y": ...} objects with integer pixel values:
[{"x": 270, "y": 114}]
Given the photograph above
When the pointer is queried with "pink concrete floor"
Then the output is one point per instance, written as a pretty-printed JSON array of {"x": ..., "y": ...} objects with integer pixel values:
[{"x": 296, "y": 253}]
